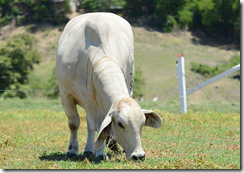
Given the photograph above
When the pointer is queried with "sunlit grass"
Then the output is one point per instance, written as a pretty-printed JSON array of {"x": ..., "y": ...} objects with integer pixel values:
[{"x": 38, "y": 139}]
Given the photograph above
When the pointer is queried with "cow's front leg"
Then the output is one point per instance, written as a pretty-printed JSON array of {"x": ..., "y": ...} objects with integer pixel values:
[
  {"x": 101, "y": 153},
  {"x": 89, "y": 149},
  {"x": 73, "y": 143},
  {"x": 74, "y": 123}
]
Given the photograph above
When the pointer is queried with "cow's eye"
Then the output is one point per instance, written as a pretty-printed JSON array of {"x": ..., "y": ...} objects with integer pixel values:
[{"x": 121, "y": 126}]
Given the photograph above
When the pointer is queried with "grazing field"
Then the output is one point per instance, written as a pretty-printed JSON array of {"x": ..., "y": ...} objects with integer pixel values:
[{"x": 34, "y": 134}]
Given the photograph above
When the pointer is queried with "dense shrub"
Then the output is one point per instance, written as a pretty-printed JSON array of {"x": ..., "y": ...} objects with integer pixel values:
[
  {"x": 100, "y": 5},
  {"x": 209, "y": 71},
  {"x": 216, "y": 17},
  {"x": 16, "y": 61},
  {"x": 35, "y": 12}
]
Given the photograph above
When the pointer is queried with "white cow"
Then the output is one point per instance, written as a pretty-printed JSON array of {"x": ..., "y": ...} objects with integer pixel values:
[{"x": 95, "y": 69}]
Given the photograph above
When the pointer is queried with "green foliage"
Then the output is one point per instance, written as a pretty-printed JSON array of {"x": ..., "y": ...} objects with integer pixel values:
[
  {"x": 101, "y": 5},
  {"x": 140, "y": 8},
  {"x": 16, "y": 63},
  {"x": 139, "y": 83},
  {"x": 168, "y": 7},
  {"x": 14, "y": 11},
  {"x": 185, "y": 14},
  {"x": 44, "y": 11},
  {"x": 7, "y": 11},
  {"x": 215, "y": 16},
  {"x": 218, "y": 16},
  {"x": 170, "y": 23},
  {"x": 37, "y": 12},
  {"x": 209, "y": 71}
]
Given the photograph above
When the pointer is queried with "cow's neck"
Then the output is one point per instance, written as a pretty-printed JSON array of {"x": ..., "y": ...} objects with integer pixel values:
[{"x": 110, "y": 84}]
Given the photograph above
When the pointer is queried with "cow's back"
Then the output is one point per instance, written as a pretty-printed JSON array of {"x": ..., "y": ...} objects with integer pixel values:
[{"x": 85, "y": 39}]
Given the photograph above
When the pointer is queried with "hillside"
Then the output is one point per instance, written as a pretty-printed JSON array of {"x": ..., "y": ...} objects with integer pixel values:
[{"x": 155, "y": 53}]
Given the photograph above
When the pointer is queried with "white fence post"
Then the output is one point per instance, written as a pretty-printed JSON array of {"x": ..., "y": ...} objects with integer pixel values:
[{"x": 180, "y": 69}]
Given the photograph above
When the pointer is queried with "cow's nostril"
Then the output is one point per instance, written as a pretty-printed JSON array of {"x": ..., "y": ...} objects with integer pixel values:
[
  {"x": 134, "y": 158},
  {"x": 138, "y": 158}
]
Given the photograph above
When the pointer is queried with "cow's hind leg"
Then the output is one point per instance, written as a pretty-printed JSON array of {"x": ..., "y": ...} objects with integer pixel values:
[
  {"x": 89, "y": 149},
  {"x": 70, "y": 109}
]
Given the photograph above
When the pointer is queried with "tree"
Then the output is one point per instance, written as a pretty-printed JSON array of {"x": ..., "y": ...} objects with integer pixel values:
[
  {"x": 101, "y": 5},
  {"x": 216, "y": 17},
  {"x": 40, "y": 11},
  {"x": 44, "y": 11},
  {"x": 17, "y": 57},
  {"x": 7, "y": 11},
  {"x": 141, "y": 8}
]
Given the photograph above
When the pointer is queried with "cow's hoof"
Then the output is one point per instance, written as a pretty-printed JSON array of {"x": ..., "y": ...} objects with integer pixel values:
[
  {"x": 99, "y": 158},
  {"x": 71, "y": 155},
  {"x": 88, "y": 155}
]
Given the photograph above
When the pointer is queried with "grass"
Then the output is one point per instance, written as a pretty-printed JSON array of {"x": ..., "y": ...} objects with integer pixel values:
[{"x": 34, "y": 134}]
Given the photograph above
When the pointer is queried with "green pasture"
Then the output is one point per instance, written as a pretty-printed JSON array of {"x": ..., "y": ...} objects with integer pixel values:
[{"x": 34, "y": 134}]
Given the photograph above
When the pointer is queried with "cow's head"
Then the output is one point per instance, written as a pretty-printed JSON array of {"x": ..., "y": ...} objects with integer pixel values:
[{"x": 124, "y": 122}]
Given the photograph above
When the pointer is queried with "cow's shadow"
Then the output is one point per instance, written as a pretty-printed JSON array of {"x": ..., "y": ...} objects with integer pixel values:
[{"x": 58, "y": 156}]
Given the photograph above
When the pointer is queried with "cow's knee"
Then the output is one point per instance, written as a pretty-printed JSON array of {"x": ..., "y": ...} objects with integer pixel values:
[{"x": 74, "y": 125}]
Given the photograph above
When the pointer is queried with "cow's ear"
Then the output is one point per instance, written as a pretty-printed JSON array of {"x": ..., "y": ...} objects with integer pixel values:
[
  {"x": 152, "y": 119},
  {"x": 104, "y": 131}
]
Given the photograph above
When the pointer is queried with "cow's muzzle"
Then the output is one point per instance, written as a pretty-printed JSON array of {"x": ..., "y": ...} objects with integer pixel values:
[{"x": 138, "y": 157}]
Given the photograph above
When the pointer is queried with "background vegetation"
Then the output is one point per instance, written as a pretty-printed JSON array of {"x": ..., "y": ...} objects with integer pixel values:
[
  {"x": 217, "y": 17},
  {"x": 209, "y": 71},
  {"x": 34, "y": 132},
  {"x": 34, "y": 12},
  {"x": 17, "y": 57}
]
